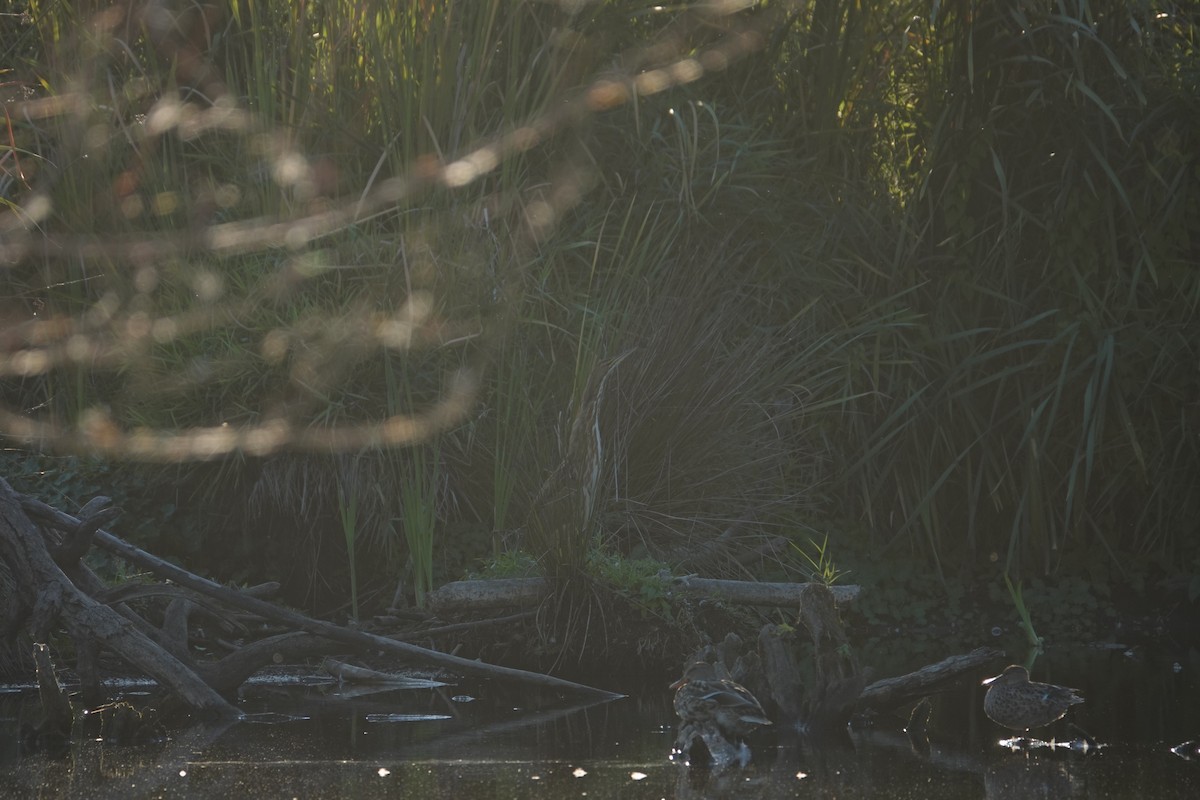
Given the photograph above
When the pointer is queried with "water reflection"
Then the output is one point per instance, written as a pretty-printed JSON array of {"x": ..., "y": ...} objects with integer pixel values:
[
  {"x": 313, "y": 742},
  {"x": 1029, "y": 778}
]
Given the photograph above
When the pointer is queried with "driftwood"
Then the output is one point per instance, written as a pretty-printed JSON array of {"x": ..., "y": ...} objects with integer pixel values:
[
  {"x": 478, "y": 595},
  {"x": 890, "y": 693},
  {"x": 525, "y": 592},
  {"x": 68, "y": 593},
  {"x": 59, "y": 601},
  {"x": 54, "y": 588},
  {"x": 230, "y": 672},
  {"x": 354, "y": 674}
]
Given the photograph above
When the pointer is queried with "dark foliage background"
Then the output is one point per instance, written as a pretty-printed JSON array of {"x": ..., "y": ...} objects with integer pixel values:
[{"x": 407, "y": 289}]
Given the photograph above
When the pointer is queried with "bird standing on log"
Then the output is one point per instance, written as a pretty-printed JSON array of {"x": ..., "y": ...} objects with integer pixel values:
[{"x": 1016, "y": 702}]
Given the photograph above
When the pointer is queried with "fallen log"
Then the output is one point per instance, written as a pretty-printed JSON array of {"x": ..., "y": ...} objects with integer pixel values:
[
  {"x": 358, "y": 639},
  {"x": 89, "y": 623},
  {"x": 523, "y": 592},
  {"x": 487, "y": 594},
  {"x": 230, "y": 672},
  {"x": 441, "y": 630},
  {"x": 891, "y": 693}
]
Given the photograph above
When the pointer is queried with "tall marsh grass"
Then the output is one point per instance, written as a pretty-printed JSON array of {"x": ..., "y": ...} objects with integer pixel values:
[
  {"x": 1046, "y": 276},
  {"x": 923, "y": 274}
]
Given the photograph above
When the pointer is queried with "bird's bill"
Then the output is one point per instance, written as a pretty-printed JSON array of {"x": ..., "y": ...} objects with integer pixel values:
[
  {"x": 678, "y": 683},
  {"x": 989, "y": 680}
]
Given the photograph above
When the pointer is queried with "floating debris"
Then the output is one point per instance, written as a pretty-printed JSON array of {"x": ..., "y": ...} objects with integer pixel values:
[
  {"x": 406, "y": 717},
  {"x": 273, "y": 718},
  {"x": 1188, "y": 751}
]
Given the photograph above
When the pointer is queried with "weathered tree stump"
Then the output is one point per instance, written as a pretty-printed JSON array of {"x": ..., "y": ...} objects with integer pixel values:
[
  {"x": 54, "y": 729},
  {"x": 816, "y": 686},
  {"x": 816, "y": 693}
]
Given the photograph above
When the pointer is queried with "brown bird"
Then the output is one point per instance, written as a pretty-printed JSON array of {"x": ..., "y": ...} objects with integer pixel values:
[
  {"x": 707, "y": 700},
  {"x": 1016, "y": 702}
]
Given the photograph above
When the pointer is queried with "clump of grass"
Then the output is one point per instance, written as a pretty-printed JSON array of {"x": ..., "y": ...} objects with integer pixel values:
[
  {"x": 419, "y": 513},
  {"x": 819, "y": 560},
  {"x": 1008, "y": 411},
  {"x": 348, "y": 513}
]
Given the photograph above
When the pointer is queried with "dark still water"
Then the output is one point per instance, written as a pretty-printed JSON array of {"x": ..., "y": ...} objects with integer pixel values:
[{"x": 472, "y": 741}]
